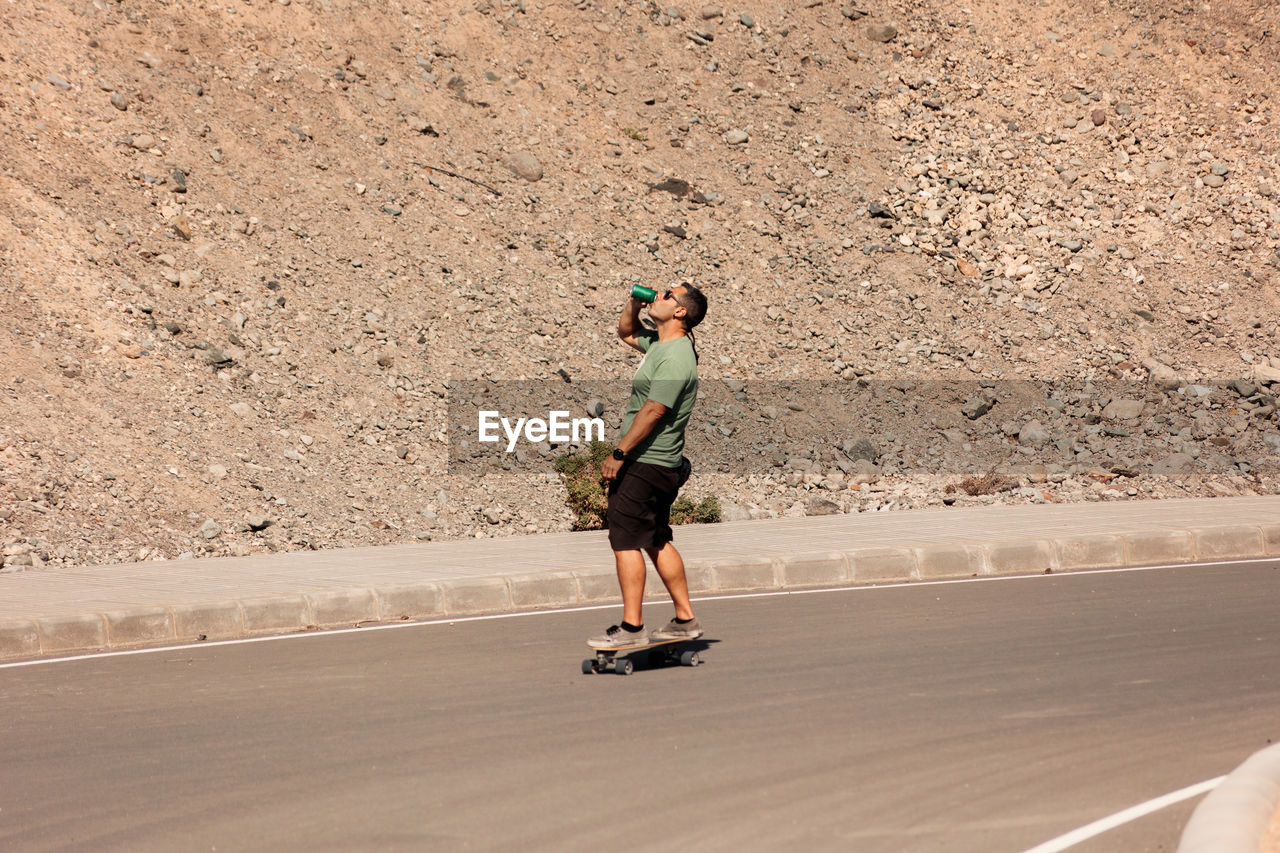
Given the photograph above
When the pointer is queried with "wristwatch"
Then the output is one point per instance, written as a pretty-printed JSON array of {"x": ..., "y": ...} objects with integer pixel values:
[{"x": 618, "y": 454}]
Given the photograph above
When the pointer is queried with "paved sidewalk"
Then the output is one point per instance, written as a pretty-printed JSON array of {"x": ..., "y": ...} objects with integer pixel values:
[{"x": 61, "y": 611}]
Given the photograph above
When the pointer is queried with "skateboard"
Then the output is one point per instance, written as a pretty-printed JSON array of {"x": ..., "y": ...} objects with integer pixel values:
[{"x": 661, "y": 651}]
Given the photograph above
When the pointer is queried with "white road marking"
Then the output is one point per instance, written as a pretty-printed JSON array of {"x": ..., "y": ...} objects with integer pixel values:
[
  {"x": 387, "y": 626},
  {"x": 1106, "y": 824}
]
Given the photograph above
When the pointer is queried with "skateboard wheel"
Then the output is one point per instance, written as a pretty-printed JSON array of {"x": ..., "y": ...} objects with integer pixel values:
[
  {"x": 690, "y": 659},
  {"x": 588, "y": 666},
  {"x": 623, "y": 666}
]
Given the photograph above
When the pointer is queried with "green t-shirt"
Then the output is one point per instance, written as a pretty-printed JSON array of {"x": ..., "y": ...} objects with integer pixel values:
[{"x": 667, "y": 375}]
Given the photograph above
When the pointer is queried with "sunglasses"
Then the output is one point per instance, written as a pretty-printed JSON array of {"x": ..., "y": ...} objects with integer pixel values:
[{"x": 670, "y": 294}]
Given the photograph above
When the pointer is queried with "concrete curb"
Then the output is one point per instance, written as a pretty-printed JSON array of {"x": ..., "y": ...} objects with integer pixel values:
[
  {"x": 349, "y": 606},
  {"x": 1235, "y": 816}
]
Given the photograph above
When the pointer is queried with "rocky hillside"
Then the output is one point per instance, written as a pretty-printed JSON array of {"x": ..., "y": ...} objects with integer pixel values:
[{"x": 245, "y": 247}]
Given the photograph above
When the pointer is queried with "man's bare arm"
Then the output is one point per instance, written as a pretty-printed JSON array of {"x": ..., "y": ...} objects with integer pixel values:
[
  {"x": 629, "y": 324},
  {"x": 643, "y": 423}
]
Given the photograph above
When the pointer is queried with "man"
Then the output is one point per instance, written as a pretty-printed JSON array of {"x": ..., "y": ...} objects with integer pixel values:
[{"x": 647, "y": 467}]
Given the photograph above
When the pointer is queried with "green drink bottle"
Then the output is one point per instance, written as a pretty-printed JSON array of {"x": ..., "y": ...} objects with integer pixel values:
[{"x": 644, "y": 294}]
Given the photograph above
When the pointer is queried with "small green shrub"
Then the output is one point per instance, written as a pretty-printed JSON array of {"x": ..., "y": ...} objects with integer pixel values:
[
  {"x": 685, "y": 511},
  {"x": 588, "y": 497},
  {"x": 586, "y": 491}
]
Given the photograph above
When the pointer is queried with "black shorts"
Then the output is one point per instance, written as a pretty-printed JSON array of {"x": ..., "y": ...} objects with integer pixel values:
[{"x": 640, "y": 499}]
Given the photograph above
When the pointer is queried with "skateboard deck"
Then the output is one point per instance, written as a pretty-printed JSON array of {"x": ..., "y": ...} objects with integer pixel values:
[{"x": 618, "y": 659}]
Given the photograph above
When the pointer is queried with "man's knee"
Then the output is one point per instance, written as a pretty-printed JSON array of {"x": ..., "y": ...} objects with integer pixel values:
[{"x": 668, "y": 547}]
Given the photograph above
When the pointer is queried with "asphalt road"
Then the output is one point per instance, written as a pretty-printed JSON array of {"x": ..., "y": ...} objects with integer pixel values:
[{"x": 987, "y": 716}]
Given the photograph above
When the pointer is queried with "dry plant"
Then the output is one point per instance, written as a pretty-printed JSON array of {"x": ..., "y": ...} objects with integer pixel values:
[{"x": 988, "y": 484}]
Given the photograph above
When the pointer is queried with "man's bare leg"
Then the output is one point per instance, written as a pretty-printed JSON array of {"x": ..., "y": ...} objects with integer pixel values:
[
  {"x": 631, "y": 579},
  {"x": 670, "y": 566}
]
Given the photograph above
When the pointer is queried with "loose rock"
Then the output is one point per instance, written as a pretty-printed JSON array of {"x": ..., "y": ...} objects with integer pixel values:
[
  {"x": 821, "y": 506},
  {"x": 1173, "y": 465},
  {"x": 976, "y": 407},
  {"x": 1122, "y": 410},
  {"x": 525, "y": 165},
  {"x": 1033, "y": 434},
  {"x": 882, "y": 32}
]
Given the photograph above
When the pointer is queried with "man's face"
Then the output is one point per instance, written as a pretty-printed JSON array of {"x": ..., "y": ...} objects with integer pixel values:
[{"x": 666, "y": 305}]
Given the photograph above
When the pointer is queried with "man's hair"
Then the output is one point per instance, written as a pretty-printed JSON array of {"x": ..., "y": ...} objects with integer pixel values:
[
  {"x": 694, "y": 302},
  {"x": 695, "y": 306}
]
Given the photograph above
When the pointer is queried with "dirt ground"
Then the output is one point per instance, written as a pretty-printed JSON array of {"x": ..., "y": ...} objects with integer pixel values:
[{"x": 246, "y": 246}]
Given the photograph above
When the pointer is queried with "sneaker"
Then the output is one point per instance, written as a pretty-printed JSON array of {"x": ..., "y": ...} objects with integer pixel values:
[
  {"x": 673, "y": 630},
  {"x": 616, "y": 636}
]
